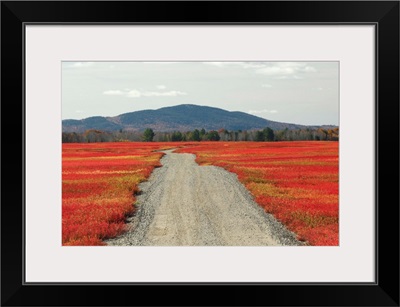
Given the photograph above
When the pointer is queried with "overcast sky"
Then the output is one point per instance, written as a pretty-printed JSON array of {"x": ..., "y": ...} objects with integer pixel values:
[{"x": 292, "y": 92}]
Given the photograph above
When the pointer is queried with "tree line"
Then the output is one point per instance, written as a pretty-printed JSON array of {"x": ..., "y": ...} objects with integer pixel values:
[{"x": 196, "y": 135}]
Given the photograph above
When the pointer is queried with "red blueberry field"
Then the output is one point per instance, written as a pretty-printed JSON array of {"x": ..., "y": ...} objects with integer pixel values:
[
  {"x": 297, "y": 182},
  {"x": 99, "y": 181}
]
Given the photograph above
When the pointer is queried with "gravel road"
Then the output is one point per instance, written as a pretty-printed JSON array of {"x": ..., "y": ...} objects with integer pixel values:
[{"x": 184, "y": 204}]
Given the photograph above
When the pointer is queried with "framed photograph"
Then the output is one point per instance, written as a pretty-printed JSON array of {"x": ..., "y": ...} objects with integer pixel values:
[{"x": 240, "y": 147}]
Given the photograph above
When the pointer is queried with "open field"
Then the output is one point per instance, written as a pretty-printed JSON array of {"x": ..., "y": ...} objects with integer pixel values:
[
  {"x": 99, "y": 181},
  {"x": 296, "y": 182}
]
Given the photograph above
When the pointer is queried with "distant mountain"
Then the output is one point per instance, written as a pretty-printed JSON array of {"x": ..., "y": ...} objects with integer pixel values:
[{"x": 184, "y": 117}]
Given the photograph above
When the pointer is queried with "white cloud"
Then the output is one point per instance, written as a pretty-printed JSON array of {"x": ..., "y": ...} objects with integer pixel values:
[
  {"x": 82, "y": 64},
  {"x": 276, "y": 70},
  {"x": 285, "y": 77},
  {"x": 266, "y": 85},
  {"x": 133, "y": 94},
  {"x": 218, "y": 64},
  {"x": 309, "y": 69},
  {"x": 137, "y": 93},
  {"x": 113, "y": 92},
  {"x": 286, "y": 70},
  {"x": 262, "y": 112},
  {"x": 169, "y": 93},
  {"x": 161, "y": 87}
]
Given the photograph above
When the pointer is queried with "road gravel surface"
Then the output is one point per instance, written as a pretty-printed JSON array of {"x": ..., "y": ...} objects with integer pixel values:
[{"x": 184, "y": 204}]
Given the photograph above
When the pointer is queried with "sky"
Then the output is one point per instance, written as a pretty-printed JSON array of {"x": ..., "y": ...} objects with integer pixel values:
[{"x": 304, "y": 93}]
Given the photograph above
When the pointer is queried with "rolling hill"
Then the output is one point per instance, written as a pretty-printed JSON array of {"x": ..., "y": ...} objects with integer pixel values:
[{"x": 184, "y": 117}]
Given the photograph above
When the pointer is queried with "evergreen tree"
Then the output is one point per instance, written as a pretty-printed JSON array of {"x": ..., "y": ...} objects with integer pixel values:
[
  {"x": 176, "y": 136},
  {"x": 259, "y": 137},
  {"x": 268, "y": 134},
  {"x": 196, "y": 135},
  {"x": 212, "y": 136},
  {"x": 148, "y": 135}
]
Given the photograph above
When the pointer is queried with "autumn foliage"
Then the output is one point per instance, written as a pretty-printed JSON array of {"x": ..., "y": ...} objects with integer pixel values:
[
  {"x": 99, "y": 182},
  {"x": 297, "y": 182}
]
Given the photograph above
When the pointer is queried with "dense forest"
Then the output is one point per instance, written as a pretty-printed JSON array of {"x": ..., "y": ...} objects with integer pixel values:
[{"x": 148, "y": 135}]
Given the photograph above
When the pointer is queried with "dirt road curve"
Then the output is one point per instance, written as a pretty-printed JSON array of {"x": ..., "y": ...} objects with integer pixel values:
[{"x": 184, "y": 204}]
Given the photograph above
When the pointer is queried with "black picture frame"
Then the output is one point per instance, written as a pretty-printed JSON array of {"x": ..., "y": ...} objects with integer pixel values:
[{"x": 383, "y": 14}]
